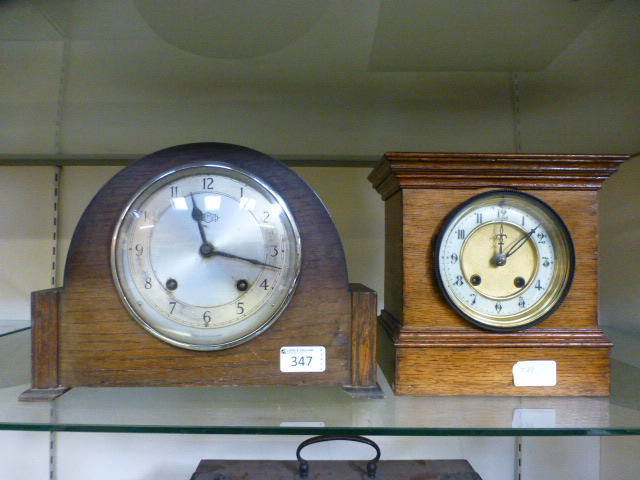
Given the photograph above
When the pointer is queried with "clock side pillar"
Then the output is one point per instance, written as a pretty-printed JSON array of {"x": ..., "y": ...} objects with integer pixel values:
[
  {"x": 44, "y": 347},
  {"x": 394, "y": 283},
  {"x": 391, "y": 316}
]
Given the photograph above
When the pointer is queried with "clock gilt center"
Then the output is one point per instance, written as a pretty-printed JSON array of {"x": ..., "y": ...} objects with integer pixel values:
[{"x": 498, "y": 279}]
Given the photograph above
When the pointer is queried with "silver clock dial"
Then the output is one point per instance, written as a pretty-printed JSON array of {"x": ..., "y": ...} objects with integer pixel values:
[{"x": 206, "y": 256}]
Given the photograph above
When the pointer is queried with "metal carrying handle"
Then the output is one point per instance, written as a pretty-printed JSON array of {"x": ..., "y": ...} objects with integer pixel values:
[{"x": 304, "y": 465}]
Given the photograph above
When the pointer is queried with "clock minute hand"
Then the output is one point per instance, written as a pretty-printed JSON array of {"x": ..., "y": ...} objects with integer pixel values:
[
  {"x": 248, "y": 260},
  {"x": 516, "y": 246}
]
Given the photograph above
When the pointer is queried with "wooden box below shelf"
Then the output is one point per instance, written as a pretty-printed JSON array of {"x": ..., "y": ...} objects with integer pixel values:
[{"x": 334, "y": 469}]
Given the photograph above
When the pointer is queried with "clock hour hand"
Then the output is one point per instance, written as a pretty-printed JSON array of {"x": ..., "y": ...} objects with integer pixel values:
[
  {"x": 500, "y": 259},
  {"x": 198, "y": 216},
  {"x": 501, "y": 236}
]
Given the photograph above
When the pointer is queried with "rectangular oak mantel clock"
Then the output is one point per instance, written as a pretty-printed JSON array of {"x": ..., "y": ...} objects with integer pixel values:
[{"x": 491, "y": 274}]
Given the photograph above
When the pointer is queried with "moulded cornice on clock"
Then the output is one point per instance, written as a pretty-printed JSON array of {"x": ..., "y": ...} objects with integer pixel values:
[{"x": 473, "y": 170}]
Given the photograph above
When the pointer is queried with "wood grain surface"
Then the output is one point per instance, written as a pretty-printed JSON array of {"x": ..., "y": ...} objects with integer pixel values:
[
  {"x": 100, "y": 344},
  {"x": 425, "y": 347}
]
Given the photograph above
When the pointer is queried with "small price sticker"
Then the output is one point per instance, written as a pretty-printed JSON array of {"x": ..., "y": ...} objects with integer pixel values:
[
  {"x": 302, "y": 359},
  {"x": 535, "y": 373}
]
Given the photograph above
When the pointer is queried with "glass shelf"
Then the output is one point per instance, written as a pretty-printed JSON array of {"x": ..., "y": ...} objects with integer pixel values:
[
  {"x": 325, "y": 410},
  {"x": 9, "y": 327},
  {"x": 302, "y": 160}
]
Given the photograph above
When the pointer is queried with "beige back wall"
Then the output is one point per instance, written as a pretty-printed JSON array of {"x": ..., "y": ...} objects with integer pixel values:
[{"x": 89, "y": 88}]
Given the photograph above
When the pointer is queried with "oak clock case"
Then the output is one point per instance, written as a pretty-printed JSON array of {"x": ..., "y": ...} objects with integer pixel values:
[
  {"x": 470, "y": 290},
  {"x": 201, "y": 265}
]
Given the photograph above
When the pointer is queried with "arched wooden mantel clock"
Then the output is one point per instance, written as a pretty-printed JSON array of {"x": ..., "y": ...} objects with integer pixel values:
[
  {"x": 204, "y": 264},
  {"x": 491, "y": 274}
]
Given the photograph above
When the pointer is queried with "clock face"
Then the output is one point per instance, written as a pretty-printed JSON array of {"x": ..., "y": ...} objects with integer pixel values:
[
  {"x": 504, "y": 260},
  {"x": 206, "y": 256}
]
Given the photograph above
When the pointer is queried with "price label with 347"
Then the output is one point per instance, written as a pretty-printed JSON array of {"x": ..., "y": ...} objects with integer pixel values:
[{"x": 302, "y": 359}]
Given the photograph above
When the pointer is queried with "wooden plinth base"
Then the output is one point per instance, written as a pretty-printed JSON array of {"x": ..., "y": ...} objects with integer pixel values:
[
  {"x": 42, "y": 394},
  {"x": 448, "y": 363},
  {"x": 356, "y": 367}
]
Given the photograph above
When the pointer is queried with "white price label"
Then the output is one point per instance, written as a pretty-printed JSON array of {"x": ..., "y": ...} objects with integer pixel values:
[
  {"x": 302, "y": 359},
  {"x": 535, "y": 373}
]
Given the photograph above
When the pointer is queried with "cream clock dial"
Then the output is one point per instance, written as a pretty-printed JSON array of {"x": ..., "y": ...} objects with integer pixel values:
[
  {"x": 504, "y": 260},
  {"x": 206, "y": 256}
]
